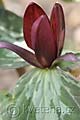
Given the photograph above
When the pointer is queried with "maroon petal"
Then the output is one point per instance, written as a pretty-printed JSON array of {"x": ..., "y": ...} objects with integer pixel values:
[
  {"x": 69, "y": 57},
  {"x": 45, "y": 46},
  {"x": 58, "y": 26},
  {"x": 32, "y": 12},
  {"x": 25, "y": 54}
]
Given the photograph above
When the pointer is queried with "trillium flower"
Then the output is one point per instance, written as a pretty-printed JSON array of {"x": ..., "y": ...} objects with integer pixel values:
[{"x": 43, "y": 35}]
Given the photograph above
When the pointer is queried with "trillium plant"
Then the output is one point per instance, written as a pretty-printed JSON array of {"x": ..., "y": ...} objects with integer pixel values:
[{"x": 48, "y": 91}]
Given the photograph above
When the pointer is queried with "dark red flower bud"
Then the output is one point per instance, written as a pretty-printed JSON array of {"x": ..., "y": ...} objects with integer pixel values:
[
  {"x": 44, "y": 36},
  {"x": 45, "y": 44}
]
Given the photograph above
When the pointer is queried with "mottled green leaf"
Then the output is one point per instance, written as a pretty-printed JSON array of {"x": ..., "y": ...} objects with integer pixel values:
[
  {"x": 78, "y": 55},
  {"x": 10, "y": 26},
  {"x": 68, "y": 65},
  {"x": 49, "y": 94},
  {"x": 11, "y": 31},
  {"x": 10, "y": 60}
]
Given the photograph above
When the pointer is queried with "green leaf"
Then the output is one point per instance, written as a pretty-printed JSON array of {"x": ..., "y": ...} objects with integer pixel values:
[
  {"x": 9, "y": 60},
  {"x": 68, "y": 65},
  {"x": 78, "y": 55},
  {"x": 48, "y": 94},
  {"x": 4, "y": 100},
  {"x": 11, "y": 27},
  {"x": 11, "y": 31}
]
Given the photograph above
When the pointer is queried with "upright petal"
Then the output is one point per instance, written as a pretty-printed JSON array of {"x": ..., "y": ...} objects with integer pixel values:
[
  {"x": 58, "y": 26},
  {"x": 25, "y": 54},
  {"x": 45, "y": 46},
  {"x": 32, "y": 12}
]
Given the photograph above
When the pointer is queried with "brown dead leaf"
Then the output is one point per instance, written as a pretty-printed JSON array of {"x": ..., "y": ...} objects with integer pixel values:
[{"x": 76, "y": 73}]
